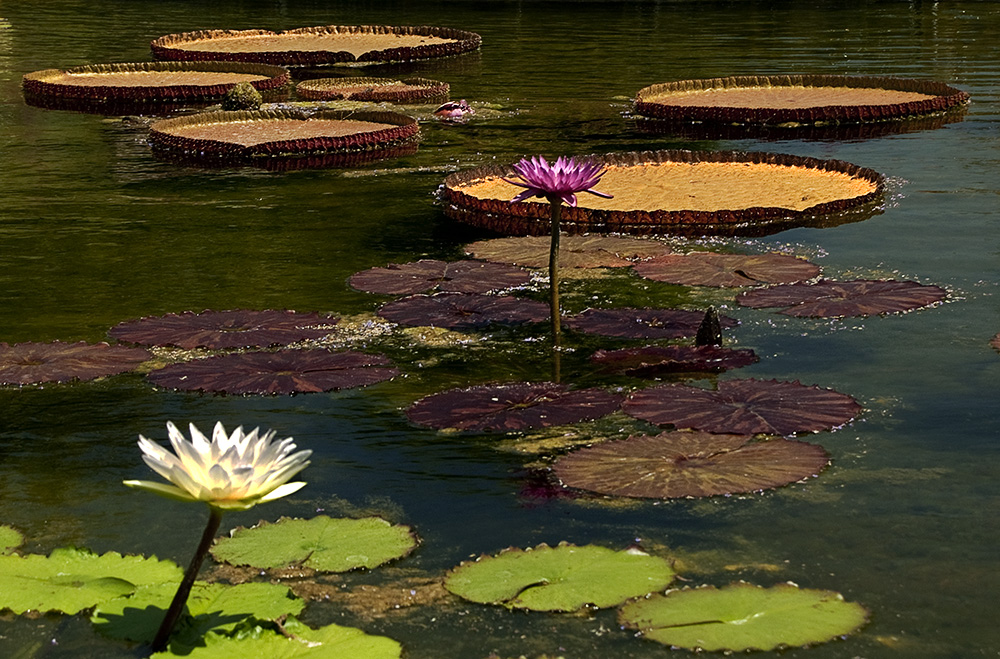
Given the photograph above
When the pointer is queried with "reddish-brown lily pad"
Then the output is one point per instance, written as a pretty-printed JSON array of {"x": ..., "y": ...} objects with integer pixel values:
[
  {"x": 512, "y": 407},
  {"x": 463, "y": 310},
  {"x": 431, "y": 275},
  {"x": 689, "y": 464},
  {"x": 32, "y": 363},
  {"x": 651, "y": 361},
  {"x": 744, "y": 407},
  {"x": 283, "y": 372},
  {"x": 216, "y": 330},
  {"x": 721, "y": 270},
  {"x": 828, "y": 299},
  {"x": 574, "y": 251},
  {"x": 995, "y": 341},
  {"x": 633, "y": 323}
]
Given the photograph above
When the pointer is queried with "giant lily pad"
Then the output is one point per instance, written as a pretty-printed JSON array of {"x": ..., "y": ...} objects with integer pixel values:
[
  {"x": 635, "y": 323},
  {"x": 721, "y": 270},
  {"x": 210, "y": 607},
  {"x": 689, "y": 464},
  {"x": 574, "y": 251},
  {"x": 563, "y": 578},
  {"x": 827, "y": 298},
  {"x": 320, "y": 543},
  {"x": 652, "y": 361},
  {"x": 744, "y": 407},
  {"x": 236, "y": 328},
  {"x": 463, "y": 310},
  {"x": 282, "y": 372},
  {"x": 427, "y": 275},
  {"x": 511, "y": 407},
  {"x": 375, "y": 90},
  {"x": 71, "y": 580},
  {"x": 741, "y": 617},
  {"x": 32, "y": 363}
]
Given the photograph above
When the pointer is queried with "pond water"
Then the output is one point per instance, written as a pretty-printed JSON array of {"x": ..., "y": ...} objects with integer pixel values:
[{"x": 94, "y": 230}]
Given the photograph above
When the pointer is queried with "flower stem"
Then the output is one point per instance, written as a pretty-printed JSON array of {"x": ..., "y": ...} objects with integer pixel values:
[
  {"x": 556, "y": 206},
  {"x": 180, "y": 598}
]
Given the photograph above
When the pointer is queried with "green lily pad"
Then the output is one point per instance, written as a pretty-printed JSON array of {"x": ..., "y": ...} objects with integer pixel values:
[
  {"x": 293, "y": 640},
  {"x": 212, "y": 607},
  {"x": 742, "y": 616},
  {"x": 9, "y": 538},
  {"x": 563, "y": 578},
  {"x": 321, "y": 543},
  {"x": 70, "y": 580}
]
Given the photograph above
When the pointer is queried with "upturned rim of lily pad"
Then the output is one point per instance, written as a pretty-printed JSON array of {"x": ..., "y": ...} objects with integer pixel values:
[{"x": 374, "y": 90}]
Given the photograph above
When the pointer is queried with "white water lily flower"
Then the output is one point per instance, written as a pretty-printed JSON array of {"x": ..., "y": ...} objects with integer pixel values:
[{"x": 231, "y": 472}]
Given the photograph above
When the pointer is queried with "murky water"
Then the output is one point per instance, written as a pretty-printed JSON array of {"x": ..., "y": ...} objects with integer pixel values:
[{"x": 94, "y": 230}]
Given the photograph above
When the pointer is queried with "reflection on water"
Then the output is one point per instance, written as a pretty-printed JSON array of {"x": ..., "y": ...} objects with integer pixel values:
[{"x": 96, "y": 230}]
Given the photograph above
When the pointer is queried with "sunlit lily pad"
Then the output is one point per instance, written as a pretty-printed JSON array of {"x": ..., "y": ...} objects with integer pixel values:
[
  {"x": 744, "y": 407},
  {"x": 652, "y": 361},
  {"x": 574, "y": 251},
  {"x": 283, "y": 372},
  {"x": 32, "y": 363},
  {"x": 210, "y": 607},
  {"x": 741, "y": 617},
  {"x": 321, "y": 543},
  {"x": 689, "y": 464},
  {"x": 722, "y": 270},
  {"x": 828, "y": 299},
  {"x": 512, "y": 407},
  {"x": 563, "y": 578},
  {"x": 9, "y": 538},
  {"x": 71, "y": 580},
  {"x": 463, "y": 310},
  {"x": 431, "y": 275},
  {"x": 237, "y": 328},
  {"x": 633, "y": 323},
  {"x": 292, "y": 640}
]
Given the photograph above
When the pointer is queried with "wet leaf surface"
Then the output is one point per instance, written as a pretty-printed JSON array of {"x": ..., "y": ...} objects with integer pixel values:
[
  {"x": 216, "y": 330},
  {"x": 744, "y": 407},
  {"x": 32, "y": 363},
  {"x": 511, "y": 407},
  {"x": 463, "y": 311},
  {"x": 724, "y": 270},
  {"x": 689, "y": 464},
  {"x": 283, "y": 372},
  {"x": 652, "y": 361},
  {"x": 641, "y": 323},
  {"x": 574, "y": 251},
  {"x": 431, "y": 275},
  {"x": 830, "y": 299}
]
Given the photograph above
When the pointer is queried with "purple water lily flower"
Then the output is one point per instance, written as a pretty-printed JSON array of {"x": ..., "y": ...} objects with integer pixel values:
[{"x": 561, "y": 180}]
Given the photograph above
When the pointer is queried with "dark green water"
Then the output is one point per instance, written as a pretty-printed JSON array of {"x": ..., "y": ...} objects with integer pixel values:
[{"x": 94, "y": 230}]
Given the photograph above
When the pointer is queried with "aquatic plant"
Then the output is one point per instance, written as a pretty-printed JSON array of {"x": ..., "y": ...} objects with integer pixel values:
[
  {"x": 828, "y": 299},
  {"x": 243, "y": 96}
]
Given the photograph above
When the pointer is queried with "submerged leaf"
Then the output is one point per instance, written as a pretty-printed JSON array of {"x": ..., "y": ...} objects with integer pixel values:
[
  {"x": 741, "y": 617},
  {"x": 652, "y": 361},
  {"x": 430, "y": 275},
  {"x": 463, "y": 310},
  {"x": 563, "y": 578},
  {"x": 725, "y": 270},
  {"x": 829, "y": 299},
  {"x": 633, "y": 323},
  {"x": 574, "y": 251},
  {"x": 236, "y": 328},
  {"x": 689, "y": 464},
  {"x": 321, "y": 543},
  {"x": 32, "y": 363}
]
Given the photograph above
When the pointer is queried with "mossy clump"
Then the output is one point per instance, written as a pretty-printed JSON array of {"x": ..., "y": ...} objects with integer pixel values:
[{"x": 243, "y": 96}]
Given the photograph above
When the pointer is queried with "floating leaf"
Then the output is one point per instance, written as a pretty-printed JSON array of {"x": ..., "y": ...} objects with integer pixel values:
[
  {"x": 652, "y": 361},
  {"x": 721, "y": 270},
  {"x": 292, "y": 640},
  {"x": 283, "y": 372},
  {"x": 237, "y": 328},
  {"x": 689, "y": 464},
  {"x": 827, "y": 299},
  {"x": 744, "y": 407},
  {"x": 429, "y": 275},
  {"x": 741, "y": 617},
  {"x": 511, "y": 407},
  {"x": 9, "y": 538},
  {"x": 563, "y": 578},
  {"x": 70, "y": 580},
  {"x": 574, "y": 251},
  {"x": 463, "y": 310},
  {"x": 210, "y": 608},
  {"x": 633, "y": 323},
  {"x": 320, "y": 543},
  {"x": 31, "y": 363}
]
